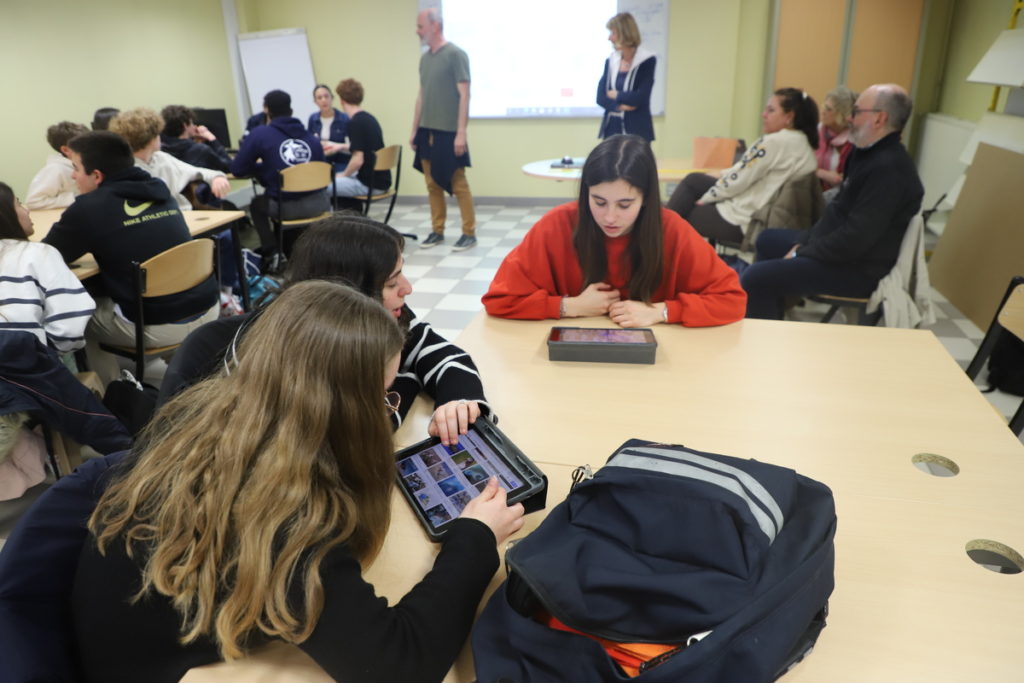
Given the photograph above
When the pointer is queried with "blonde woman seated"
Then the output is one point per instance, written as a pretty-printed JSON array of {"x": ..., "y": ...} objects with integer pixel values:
[
  {"x": 257, "y": 498},
  {"x": 721, "y": 208},
  {"x": 834, "y": 144}
]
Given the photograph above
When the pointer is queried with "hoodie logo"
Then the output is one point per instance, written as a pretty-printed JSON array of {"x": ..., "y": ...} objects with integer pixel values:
[
  {"x": 295, "y": 152},
  {"x": 136, "y": 210}
]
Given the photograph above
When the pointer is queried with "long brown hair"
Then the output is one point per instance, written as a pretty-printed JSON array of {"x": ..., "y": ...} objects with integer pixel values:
[
  {"x": 626, "y": 157},
  {"x": 248, "y": 479}
]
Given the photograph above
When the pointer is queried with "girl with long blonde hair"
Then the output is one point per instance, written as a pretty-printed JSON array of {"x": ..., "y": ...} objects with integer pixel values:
[{"x": 254, "y": 500}]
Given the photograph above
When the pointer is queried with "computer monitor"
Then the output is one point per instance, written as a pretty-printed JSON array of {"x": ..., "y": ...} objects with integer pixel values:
[{"x": 217, "y": 121}]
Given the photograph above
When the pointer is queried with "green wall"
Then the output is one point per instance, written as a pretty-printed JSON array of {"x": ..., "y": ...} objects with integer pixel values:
[
  {"x": 63, "y": 59},
  {"x": 975, "y": 26}
]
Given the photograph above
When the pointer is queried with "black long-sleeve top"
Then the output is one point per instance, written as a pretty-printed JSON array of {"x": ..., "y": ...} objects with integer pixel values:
[
  {"x": 357, "y": 638},
  {"x": 865, "y": 223}
]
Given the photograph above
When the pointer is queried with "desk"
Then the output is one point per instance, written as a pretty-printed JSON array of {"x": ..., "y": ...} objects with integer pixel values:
[
  {"x": 669, "y": 170},
  {"x": 849, "y": 406},
  {"x": 200, "y": 224}
]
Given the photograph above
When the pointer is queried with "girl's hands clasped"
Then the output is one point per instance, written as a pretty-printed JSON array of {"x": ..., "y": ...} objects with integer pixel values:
[
  {"x": 452, "y": 419},
  {"x": 636, "y": 313},
  {"x": 491, "y": 507},
  {"x": 594, "y": 300}
]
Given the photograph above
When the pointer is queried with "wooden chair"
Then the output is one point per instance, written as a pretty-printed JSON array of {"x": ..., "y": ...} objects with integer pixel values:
[
  {"x": 173, "y": 271},
  {"x": 388, "y": 159},
  {"x": 307, "y": 177},
  {"x": 1008, "y": 319}
]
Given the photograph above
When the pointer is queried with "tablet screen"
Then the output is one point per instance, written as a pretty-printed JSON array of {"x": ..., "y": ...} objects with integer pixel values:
[
  {"x": 442, "y": 479},
  {"x": 576, "y": 334}
]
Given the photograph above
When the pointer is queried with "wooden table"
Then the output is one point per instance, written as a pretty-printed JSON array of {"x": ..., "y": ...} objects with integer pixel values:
[
  {"x": 847, "y": 405},
  {"x": 669, "y": 170},
  {"x": 200, "y": 224}
]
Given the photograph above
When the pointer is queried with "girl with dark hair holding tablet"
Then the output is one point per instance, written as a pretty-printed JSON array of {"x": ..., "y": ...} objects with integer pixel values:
[
  {"x": 224, "y": 535},
  {"x": 368, "y": 255},
  {"x": 616, "y": 252},
  {"x": 721, "y": 208}
]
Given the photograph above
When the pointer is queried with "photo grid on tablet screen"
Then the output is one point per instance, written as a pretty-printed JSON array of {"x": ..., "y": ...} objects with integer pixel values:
[{"x": 443, "y": 479}]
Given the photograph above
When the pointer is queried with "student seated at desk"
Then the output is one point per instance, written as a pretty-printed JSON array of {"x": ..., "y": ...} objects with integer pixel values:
[
  {"x": 616, "y": 252},
  {"x": 367, "y": 254},
  {"x": 52, "y": 187},
  {"x": 38, "y": 292},
  {"x": 358, "y": 178},
  {"x": 233, "y": 533},
  {"x": 141, "y": 127},
  {"x": 331, "y": 126},
  {"x": 265, "y": 152},
  {"x": 102, "y": 116},
  {"x": 124, "y": 215},
  {"x": 180, "y": 135}
]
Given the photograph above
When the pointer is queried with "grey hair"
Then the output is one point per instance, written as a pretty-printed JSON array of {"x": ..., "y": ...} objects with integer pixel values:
[
  {"x": 433, "y": 15},
  {"x": 897, "y": 104}
]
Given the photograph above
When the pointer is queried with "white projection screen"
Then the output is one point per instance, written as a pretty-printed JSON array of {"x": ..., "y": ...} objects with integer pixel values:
[{"x": 544, "y": 58}]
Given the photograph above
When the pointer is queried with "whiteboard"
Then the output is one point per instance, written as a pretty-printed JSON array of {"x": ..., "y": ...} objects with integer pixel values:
[{"x": 278, "y": 60}]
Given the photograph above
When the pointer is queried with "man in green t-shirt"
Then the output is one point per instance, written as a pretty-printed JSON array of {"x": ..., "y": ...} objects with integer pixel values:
[{"x": 439, "y": 129}]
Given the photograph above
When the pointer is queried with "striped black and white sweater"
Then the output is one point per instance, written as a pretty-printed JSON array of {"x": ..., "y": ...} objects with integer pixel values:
[
  {"x": 40, "y": 294},
  {"x": 433, "y": 364}
]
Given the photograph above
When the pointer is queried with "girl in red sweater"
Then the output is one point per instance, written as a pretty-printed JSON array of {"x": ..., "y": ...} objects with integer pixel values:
[{"x": 616, "y": 252}]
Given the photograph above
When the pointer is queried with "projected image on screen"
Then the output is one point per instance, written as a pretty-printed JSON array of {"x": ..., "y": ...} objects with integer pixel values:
[{"x": 532, "y": 57}]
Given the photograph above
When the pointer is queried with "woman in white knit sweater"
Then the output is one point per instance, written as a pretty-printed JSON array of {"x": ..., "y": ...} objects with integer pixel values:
[{"x": 720, "y": 208}]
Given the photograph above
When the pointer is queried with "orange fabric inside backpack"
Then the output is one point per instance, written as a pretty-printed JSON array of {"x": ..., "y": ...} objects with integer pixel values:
[{"x": 629, "y": 656}]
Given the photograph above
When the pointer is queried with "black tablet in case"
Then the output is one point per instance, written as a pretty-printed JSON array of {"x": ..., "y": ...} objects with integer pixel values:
[{"x": 440, "y": 480}]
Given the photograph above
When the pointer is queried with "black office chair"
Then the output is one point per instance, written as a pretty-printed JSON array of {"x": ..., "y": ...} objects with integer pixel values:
[{"x": 1009, "y": 319}]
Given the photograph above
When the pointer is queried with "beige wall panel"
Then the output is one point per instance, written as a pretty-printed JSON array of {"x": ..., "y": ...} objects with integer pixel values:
[
  {"x": 810, "y": 42},
  {"x": 982, "y": 246},
  {"x": 884, "y": 42}
]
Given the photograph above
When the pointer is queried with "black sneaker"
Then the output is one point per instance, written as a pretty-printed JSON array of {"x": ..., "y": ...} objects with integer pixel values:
[
  {"x": 433, "y": 239},
  {"x": 464, "y": 242}
]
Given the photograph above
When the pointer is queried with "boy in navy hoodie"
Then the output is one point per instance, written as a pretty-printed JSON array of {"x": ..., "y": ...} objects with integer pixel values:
[
  {"x": 121, "y": 215},
  {"x": 265, "y": 152}
]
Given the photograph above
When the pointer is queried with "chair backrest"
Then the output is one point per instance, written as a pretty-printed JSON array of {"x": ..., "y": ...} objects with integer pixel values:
[
  {"x": 178, "y": 269},
  {"x": 1011, "y": 315},
  {"x": 714, "y": 152},
  {"x": 797, "y": 204},
  {"x": 312, "y": 175},
  {"x": 387, "y": 157}
]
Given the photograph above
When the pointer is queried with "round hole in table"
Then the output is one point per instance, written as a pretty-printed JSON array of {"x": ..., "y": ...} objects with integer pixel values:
[
  {"x": 935, "y": 465},
  {"x": 995, "y": 556}
]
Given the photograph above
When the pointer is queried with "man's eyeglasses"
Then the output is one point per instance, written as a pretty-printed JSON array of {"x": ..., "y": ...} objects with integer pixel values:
[
  {"x": 392, "y": 400},
  {"x": 858, "y": 110}
]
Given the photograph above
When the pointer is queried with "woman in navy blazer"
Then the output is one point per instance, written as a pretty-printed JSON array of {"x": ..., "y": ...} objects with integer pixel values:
[
  {"x": 624, "y": 91},
  {"x": 335, "y": 143}
]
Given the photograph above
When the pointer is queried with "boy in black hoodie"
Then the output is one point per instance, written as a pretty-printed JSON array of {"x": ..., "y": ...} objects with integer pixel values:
[
  {"x": 265, "y": 152},
  {"x": 123, "y": 215}
]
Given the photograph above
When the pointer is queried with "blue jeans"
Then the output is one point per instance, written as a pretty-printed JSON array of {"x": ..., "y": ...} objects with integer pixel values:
[{"x": 771, "y": 278}]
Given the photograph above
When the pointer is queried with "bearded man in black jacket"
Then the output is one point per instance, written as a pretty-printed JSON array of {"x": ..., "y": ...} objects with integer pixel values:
[{"x": 857, "y": 240}]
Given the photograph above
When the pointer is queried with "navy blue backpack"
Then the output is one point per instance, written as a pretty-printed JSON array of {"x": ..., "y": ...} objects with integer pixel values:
[{"x": 728, "y": 560}]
